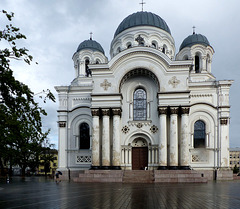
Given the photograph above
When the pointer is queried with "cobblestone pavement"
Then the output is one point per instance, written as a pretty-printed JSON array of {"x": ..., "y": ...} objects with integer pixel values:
[{"x": 37, "y": 192}]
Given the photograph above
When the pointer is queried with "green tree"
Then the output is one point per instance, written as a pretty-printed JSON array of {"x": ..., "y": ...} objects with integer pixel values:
[
  {"x": 47, "y": 156},
  {"x": 235, "y": 169},
  {"x": 21, "y": 135}
]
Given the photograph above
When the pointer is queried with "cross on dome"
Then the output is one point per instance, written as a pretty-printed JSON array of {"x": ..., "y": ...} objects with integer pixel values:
[
  {"x": 194, "y": 29},
  {"x": 142, "y": 3},
  {"x": 90, "y": 35}
]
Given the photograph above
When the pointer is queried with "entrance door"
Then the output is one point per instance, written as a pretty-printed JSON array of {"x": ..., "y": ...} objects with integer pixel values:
[{"x": 139, "y": 158}]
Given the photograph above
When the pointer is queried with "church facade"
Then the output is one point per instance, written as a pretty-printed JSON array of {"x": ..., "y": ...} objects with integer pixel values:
[{"x": 150, "y": 106}]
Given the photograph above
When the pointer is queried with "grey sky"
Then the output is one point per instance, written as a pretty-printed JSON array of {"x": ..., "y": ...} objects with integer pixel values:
[{"x": 55, "y": 28}]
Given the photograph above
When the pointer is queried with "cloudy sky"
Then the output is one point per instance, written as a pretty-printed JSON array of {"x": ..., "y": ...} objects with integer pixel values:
[{"x": 55, "y": 28}]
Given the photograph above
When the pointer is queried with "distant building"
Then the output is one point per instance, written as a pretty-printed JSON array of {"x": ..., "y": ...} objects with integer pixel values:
[
  {"x": 234, "y": 157},
  {"x": 52, "y": 167}
]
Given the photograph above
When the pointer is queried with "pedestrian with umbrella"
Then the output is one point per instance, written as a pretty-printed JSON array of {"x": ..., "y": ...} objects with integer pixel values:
[{"x": 57, "y": 176}]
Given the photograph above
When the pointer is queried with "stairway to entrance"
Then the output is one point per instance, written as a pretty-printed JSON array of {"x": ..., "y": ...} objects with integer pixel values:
[
  {"x": 138, "y": 176},
  {"x": 141, "y": 176}
]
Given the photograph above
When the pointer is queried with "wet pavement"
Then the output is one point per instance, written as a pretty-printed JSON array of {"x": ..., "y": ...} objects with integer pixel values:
[{"x": 38, "y": 192}]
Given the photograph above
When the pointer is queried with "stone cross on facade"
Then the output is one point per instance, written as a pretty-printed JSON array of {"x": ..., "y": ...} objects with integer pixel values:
[
  {"x": 140, "y": 40},
  {"x": 105, "y": 85},
  {"x": 174, "y": 81}
]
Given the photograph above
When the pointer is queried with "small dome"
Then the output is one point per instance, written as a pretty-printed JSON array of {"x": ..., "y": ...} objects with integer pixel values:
[
  {"x": 194, "y": 39},
  {"x": 142, "y": 19},
  {"x": 90, "y": 44}
]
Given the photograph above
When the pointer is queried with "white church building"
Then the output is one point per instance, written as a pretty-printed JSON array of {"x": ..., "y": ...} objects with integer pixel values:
[{"x": 151, "y": 106}]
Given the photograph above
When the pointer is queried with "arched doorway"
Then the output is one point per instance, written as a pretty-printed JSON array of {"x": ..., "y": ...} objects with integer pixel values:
[{"x": 139, "y": 154}]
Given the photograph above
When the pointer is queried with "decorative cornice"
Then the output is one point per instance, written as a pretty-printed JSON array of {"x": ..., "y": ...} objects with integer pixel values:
[
  {"x": 95, "y": 112},
  {"x": 174, "y": 110},
  {"x": 162, "y": 110},
  {"x": 105, "y": 112},
  {"x": 201, "y": 95}
]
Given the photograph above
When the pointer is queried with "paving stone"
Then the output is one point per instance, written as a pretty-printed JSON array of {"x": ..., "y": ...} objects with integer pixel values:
[{"x": 44, "y": 193}]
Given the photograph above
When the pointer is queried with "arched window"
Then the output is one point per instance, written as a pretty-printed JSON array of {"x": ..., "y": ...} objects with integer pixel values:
[
  {"x": 164, "y": 49},
  {"x": 84, "y": 136},
  {"x": 140, "y": 105},
  {"x": 199, "y": 134},
  {"x": 97, "y": 61},
  {"x": 88, "y": 71},
  {"x": 154, "y": 44},
  {"x": 129, "y": 45},
  {"x": 197, "y": 63}
]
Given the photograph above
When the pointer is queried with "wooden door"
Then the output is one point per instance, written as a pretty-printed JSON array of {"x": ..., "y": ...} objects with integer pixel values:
[{"x": 139, "y": 158}]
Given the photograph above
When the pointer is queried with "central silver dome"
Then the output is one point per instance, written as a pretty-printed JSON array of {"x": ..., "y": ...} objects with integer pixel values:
[{"x": 142, "y": 19}]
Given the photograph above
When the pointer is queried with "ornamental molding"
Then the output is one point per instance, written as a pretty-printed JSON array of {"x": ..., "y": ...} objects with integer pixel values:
[
  {"x": 105, "y": 112},
  {"x": 81, "y": 98},
  {"x": 105, "y": 85},
  {"x": 174, "y": 81},
  {"x": 139, "y": 124},
  {"x": 117, "y": 111},
  {"x": 62, "y": 124},
  {"x": 154, "y": 129},
  {"x": 185, "y": 110},
  {"x": 95, "y": 112},
  {"x": 139, "y": 71},
  {"x": 174, "y": 110},
  {"x": 201, "y": 95},
  {"x": 162, "y": 110},
  {"x": 148, "y": 53},
  {"x": 125, "y": 129},
  {"x": 223, "y": 121}
]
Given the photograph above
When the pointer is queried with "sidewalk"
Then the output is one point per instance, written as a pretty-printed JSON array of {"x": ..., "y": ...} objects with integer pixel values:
[{"x": 37, "y": 192}]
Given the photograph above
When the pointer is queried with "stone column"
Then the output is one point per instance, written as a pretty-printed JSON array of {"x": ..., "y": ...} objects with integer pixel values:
[
  {"x": 224, "y": 139},
  {"x": 105, "y": 138},
  {"x": 116, "y": 161},
  {"x": 62, "y": 141},
  {"x": 174, "y": 137},
  {"x": 95, "y": 139},
  {"x": 162, "y": 137},
  {"x": 184, "y": 143}
]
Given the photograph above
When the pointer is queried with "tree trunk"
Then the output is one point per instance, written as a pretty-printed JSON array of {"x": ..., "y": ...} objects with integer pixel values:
[
  {"x": 2, "y": 167},
  {"x": 23, "y": 171}
]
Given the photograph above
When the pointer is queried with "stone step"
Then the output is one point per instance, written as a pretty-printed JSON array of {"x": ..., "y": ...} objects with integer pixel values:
[
  {"x": 100, "y": 176},
  {"x": 141, "y": 176},
  {"x": 138, "y": 176},
  {"x": 179, "y": 176}
]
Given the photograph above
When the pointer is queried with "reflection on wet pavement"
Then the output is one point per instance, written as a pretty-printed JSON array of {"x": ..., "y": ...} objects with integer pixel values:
[{"x": 38, "y": 192}]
